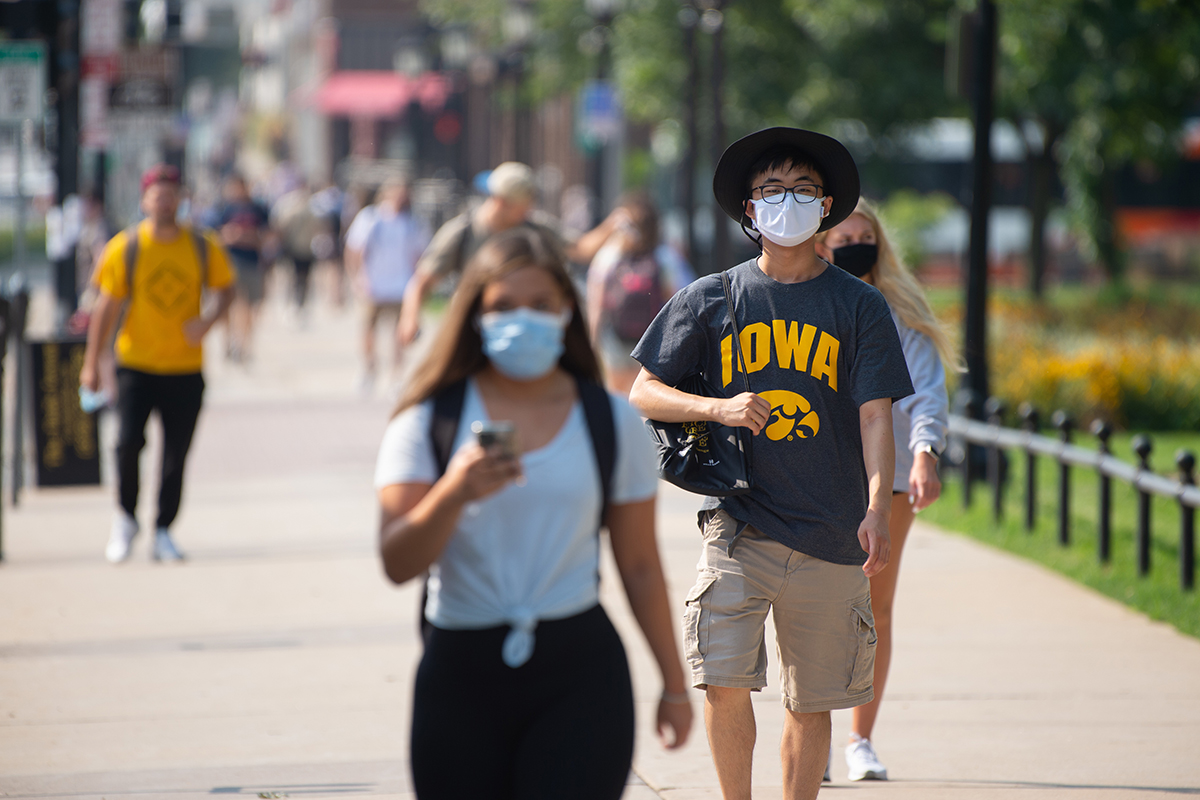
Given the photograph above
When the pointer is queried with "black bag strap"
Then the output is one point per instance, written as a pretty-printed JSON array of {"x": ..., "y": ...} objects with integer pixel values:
[
  {"x": 447, "y": 408},
  {"x": 597, "y": 408},
  {"x": 132, "y": 246},
  {"x": 737, "y": 334}
]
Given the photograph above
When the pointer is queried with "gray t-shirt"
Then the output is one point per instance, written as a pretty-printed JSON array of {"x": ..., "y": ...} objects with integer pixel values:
[
  {"x": 457, "y": 240},
  {"x": 816, "y": 350}
]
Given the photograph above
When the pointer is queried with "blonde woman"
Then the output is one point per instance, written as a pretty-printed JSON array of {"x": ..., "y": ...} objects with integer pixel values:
[{"x": 860, "y": 246}]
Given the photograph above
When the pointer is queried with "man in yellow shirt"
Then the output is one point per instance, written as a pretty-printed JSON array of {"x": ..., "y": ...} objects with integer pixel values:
[{"x": 157, "y": 272}]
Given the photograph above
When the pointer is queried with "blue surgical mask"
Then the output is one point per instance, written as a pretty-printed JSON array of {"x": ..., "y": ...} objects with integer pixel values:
[{"x": 523, "y": 344}]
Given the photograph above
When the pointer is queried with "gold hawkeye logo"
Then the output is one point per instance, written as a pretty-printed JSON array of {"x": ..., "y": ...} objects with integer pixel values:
[{"x": 791, "y": 416}]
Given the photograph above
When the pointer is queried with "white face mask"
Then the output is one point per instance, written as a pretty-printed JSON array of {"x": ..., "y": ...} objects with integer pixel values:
[{"x": 789, "y": 223}]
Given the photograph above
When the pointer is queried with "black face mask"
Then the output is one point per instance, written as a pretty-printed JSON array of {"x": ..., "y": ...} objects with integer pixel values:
[{"x": 857, "y": 259}]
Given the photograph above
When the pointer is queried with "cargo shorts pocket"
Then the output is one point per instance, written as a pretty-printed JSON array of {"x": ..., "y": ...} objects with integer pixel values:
[
  {"x": 697, "y": 617},
  {"x": 863, "y": 672}
]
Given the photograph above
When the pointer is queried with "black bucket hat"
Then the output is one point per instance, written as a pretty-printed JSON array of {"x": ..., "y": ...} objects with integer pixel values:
[{"x": 829, "y": 156}]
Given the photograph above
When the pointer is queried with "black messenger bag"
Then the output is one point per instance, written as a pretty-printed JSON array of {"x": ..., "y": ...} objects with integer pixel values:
[{"x": 706, "y": 457}]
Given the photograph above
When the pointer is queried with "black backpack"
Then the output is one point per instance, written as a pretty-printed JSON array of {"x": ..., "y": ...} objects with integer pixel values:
[
  {"x": 447, "y": 410},
  {"x": 633, "y": 295}
]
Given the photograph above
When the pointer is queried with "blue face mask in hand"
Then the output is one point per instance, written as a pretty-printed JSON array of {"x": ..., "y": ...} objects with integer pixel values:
[{"x": 523, "y": 344}]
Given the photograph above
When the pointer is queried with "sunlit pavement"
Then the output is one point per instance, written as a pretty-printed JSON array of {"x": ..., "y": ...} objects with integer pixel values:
[{"x": 278, "y": 661}]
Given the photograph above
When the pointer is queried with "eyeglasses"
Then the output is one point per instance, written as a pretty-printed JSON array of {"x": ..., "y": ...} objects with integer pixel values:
[{"x": 773, "y": 193}]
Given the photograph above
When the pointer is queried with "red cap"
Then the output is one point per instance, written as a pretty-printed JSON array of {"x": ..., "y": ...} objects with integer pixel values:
[{"x": 160, "y": 173}]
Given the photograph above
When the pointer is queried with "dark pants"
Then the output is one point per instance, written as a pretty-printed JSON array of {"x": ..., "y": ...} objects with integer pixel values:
[
  {"x": 302, "y": 273},
  {"x": 559, "y": 726},
  {"x": 177, "y": 398}
]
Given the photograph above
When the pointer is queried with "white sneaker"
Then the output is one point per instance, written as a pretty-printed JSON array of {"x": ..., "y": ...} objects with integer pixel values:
[
  {"x": 164, "y": 548},
  {"x": 863, "y": 763},
  {"x": 124, "y": 528}
]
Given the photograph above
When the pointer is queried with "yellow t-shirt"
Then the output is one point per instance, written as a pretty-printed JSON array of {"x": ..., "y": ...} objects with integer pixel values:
[{"x": 166, "y": 294}]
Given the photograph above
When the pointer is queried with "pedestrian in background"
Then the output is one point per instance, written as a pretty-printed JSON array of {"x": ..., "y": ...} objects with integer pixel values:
[
  {"x": 156, "y": 272},
  {"x": 382, "y": 248},
  {"x": 860, "y": 245},
  {"x": 523, "y": 690},
  {"x": 826, "y": 365},
  {"x": 296, "y": 227},
  {"x": 629, "y": 279},
  {"x": 243, "y": 224},
  {"x": 512, "y": 193}
]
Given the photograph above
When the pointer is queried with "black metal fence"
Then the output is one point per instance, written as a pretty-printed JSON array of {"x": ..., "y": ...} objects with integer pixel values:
[{"x": 997, "y": 440}]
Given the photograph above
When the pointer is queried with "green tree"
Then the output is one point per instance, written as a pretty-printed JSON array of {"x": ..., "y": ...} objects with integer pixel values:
[{"x": 1109, "y": 82}]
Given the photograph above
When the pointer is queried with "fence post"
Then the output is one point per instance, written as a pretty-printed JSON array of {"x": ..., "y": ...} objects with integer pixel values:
[
  {"x": 1064, "y": 423},
  {"x": 1029, "y": 415},
  {"x": 995, "y": 413},
  {"x": 18, "y": 314},
  {"x": 1103, "y": 431},
  {"x": 1143, "y": 446},
  {"x": 1187, "y": 523}
]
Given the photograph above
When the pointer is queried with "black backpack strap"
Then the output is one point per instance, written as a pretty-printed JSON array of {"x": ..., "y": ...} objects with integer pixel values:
[
  {"x": 132, "y": 246},
  {"x": 460, "y": 250},
  {"x": 443, "y": 428},
  {"x": 597, "y": 408},
  {"x": 201, "y": 245}
]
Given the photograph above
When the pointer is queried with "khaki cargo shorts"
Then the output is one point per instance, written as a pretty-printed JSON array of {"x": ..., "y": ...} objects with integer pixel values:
[{"x": 824, "y": 627}]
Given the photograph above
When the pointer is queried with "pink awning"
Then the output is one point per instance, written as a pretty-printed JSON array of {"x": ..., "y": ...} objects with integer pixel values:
[{"x": 379, "y": 93}]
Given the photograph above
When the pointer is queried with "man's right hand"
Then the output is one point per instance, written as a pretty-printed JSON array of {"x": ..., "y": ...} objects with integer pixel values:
[
  {"x": 746, "y": 410},
  {"x": 89, "y": 377}
]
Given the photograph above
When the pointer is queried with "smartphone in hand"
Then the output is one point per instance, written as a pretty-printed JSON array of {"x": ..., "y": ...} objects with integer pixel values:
[{"x": 500, "y": 436}]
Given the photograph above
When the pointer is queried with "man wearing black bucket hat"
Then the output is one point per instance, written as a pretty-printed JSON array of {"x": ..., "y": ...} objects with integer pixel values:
[{"x": 824, "y": 357}]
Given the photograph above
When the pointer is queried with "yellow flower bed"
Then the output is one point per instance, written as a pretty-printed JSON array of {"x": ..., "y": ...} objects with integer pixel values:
[{"x": 1134, "y": 381}]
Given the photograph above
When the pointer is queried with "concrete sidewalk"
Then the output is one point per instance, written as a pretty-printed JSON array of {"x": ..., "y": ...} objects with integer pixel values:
[{"x": 279, "y": 662}]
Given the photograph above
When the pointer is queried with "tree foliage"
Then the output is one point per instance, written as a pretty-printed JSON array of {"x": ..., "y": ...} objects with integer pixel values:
[{"x": 1107, "y": 82}]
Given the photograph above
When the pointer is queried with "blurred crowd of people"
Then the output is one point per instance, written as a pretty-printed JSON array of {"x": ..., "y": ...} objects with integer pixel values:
[{"x": 365, "y": 244}]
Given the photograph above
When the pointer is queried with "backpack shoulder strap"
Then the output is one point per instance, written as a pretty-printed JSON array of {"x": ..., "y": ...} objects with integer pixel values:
[
  {"x": 597, "y": 408},
  {"x": 201, "y": 245},
  {"x": 460, "y": 249},
  {"x": 443, "y": 428},
  {"x": 131, "y": 256},
  {"x": 737, "y": 334}
]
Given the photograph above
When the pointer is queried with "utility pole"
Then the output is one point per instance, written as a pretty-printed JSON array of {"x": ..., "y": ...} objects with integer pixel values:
[
  {"x": 64, "y": 79},
  {"x": 714, "y": 21},
  {"x": 689, "y": 18},
  {"x": 981, "y": 202}
]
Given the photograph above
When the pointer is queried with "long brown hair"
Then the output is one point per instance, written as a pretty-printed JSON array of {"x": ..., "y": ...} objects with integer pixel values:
[
  {"x": 902, "y": 291},
  {"x": 458, "y": 350}
]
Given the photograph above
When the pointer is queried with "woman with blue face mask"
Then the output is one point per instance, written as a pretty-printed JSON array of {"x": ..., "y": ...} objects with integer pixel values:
[{"x": 523, "y": 689}]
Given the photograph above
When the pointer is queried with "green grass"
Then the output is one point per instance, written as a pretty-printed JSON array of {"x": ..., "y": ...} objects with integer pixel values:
[
  {"x": 35, "y": 243},
  {"x": 1158, "y": 595}
]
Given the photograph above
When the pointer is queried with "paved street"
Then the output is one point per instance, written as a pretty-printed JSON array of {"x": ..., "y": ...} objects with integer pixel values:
[{"x": 278, "y": 661}]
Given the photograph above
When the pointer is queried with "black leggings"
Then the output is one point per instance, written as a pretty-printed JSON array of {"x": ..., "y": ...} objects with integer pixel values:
[
  {"x": 177, "y": 398},
  {"x": 559, "y": 726}
]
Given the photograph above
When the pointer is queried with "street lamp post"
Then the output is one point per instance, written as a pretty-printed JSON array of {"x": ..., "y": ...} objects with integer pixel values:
[
  {"x": 518, "y": 32},
  {"x": 713, "y": 22},
  {"x": 603, "y": 12},
  {"x": 458, "y": 50},
  {"x": 689, "y": 18}
]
